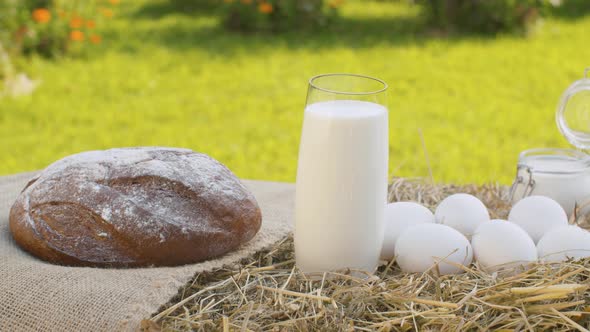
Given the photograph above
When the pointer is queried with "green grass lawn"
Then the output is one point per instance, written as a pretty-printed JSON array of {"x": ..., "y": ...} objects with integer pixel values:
[{"x": 175, "y": 78}]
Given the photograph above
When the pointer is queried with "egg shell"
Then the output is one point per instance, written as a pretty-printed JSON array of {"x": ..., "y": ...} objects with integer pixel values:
[
  {"x": 398, "y": 217},
  {"x": 463, "y": 212},
  {"x": 420, "y": 247},
  {"x": 537, "y": 215},
  {"x": 500, "y": 244},
  {"x": 561, "y": 243}
]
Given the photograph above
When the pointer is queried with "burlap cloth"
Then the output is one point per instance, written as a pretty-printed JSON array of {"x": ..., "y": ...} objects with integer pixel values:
[{"x": 37, "y": 296}]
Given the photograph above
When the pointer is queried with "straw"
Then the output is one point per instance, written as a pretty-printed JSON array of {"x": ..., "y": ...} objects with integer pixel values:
[{"x": 266, "y": 292}]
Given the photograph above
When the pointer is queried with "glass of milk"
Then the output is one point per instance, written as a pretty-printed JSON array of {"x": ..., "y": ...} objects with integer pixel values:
[{"x": 341, "y": 189}]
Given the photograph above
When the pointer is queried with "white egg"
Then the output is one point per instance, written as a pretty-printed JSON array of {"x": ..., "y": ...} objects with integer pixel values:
[
  {"x": 561, "y": 243},
  {"x": 420, "y": 247},
  {"x": 537, "y": 215},
  {"x": 500, "y": 244},
  {"x": 463, "y": 212},
  {"x": 398, "y": 217}
]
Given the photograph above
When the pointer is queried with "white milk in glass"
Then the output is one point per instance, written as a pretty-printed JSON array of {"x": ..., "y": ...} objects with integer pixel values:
[
  {"x": 564, "y": 179},
  {"x": 341, "y": 186}
]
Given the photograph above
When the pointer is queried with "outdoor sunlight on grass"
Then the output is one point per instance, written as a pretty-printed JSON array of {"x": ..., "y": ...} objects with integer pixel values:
[{"x": 170, "y": 77}]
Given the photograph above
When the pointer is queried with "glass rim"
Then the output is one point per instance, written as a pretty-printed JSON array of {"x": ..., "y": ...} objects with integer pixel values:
[
  {"x": 382, "y": 82},
  {"x": 570, "y": 155}
]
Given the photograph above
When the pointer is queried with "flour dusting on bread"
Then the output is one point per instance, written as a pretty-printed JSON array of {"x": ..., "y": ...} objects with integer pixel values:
[{"x": 139, "y": 203}]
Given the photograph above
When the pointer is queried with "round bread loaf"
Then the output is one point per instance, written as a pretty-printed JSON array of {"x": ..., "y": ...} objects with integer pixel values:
[{"x": 134, "y": 207}]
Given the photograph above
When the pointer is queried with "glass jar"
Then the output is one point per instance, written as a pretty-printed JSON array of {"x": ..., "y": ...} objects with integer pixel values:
[
  {"x": 573, "y": 113},
  {"x": 560, "y": 174}
]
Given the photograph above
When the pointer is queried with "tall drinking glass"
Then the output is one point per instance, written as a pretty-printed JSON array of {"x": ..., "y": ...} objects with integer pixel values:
[{"x": 341, "y": 189}]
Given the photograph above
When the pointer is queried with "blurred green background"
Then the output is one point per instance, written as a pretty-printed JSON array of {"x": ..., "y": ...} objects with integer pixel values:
[{"x": 168, "y": 74}]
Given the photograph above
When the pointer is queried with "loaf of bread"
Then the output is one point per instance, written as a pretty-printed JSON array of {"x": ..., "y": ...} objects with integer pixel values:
[{"x": 134, "y": 207}]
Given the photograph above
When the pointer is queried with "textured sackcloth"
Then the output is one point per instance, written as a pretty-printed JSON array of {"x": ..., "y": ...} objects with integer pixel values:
[{"x": 37, "y": 296}]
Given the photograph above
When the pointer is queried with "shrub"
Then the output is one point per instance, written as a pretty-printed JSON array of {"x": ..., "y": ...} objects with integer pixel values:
[
  {"x": 485, "y": 16},
  {"x": 278, "y": 15},
  {"x": 51, "y": 27}
]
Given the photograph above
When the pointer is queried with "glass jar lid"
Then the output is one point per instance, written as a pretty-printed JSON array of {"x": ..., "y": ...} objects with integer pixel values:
[{"x": 573, "y": 113}]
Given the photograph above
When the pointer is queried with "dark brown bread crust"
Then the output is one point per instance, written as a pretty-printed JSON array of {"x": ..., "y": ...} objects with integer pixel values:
[{"x": 134, "y": 207}]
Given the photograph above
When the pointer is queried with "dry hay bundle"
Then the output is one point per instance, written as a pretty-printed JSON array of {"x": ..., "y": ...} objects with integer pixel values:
[{"x": 266, "y": 292}]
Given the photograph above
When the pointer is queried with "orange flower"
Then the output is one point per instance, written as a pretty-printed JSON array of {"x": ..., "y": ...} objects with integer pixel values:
[
  {"x": 41, "y": 15},
  {"x": 76, "y": 22},
  {"x": 95, "y": 39},
  {"x": 114, "y": 2},
  {"x": 265, "y": 8},
  {"x": 77, "y": 35},
  {"x": 246, "y": 2},
  {"x": 335, "y": 3},
  {"x": 106, "y": 12},
  {"x": 90, "y": 24}
]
